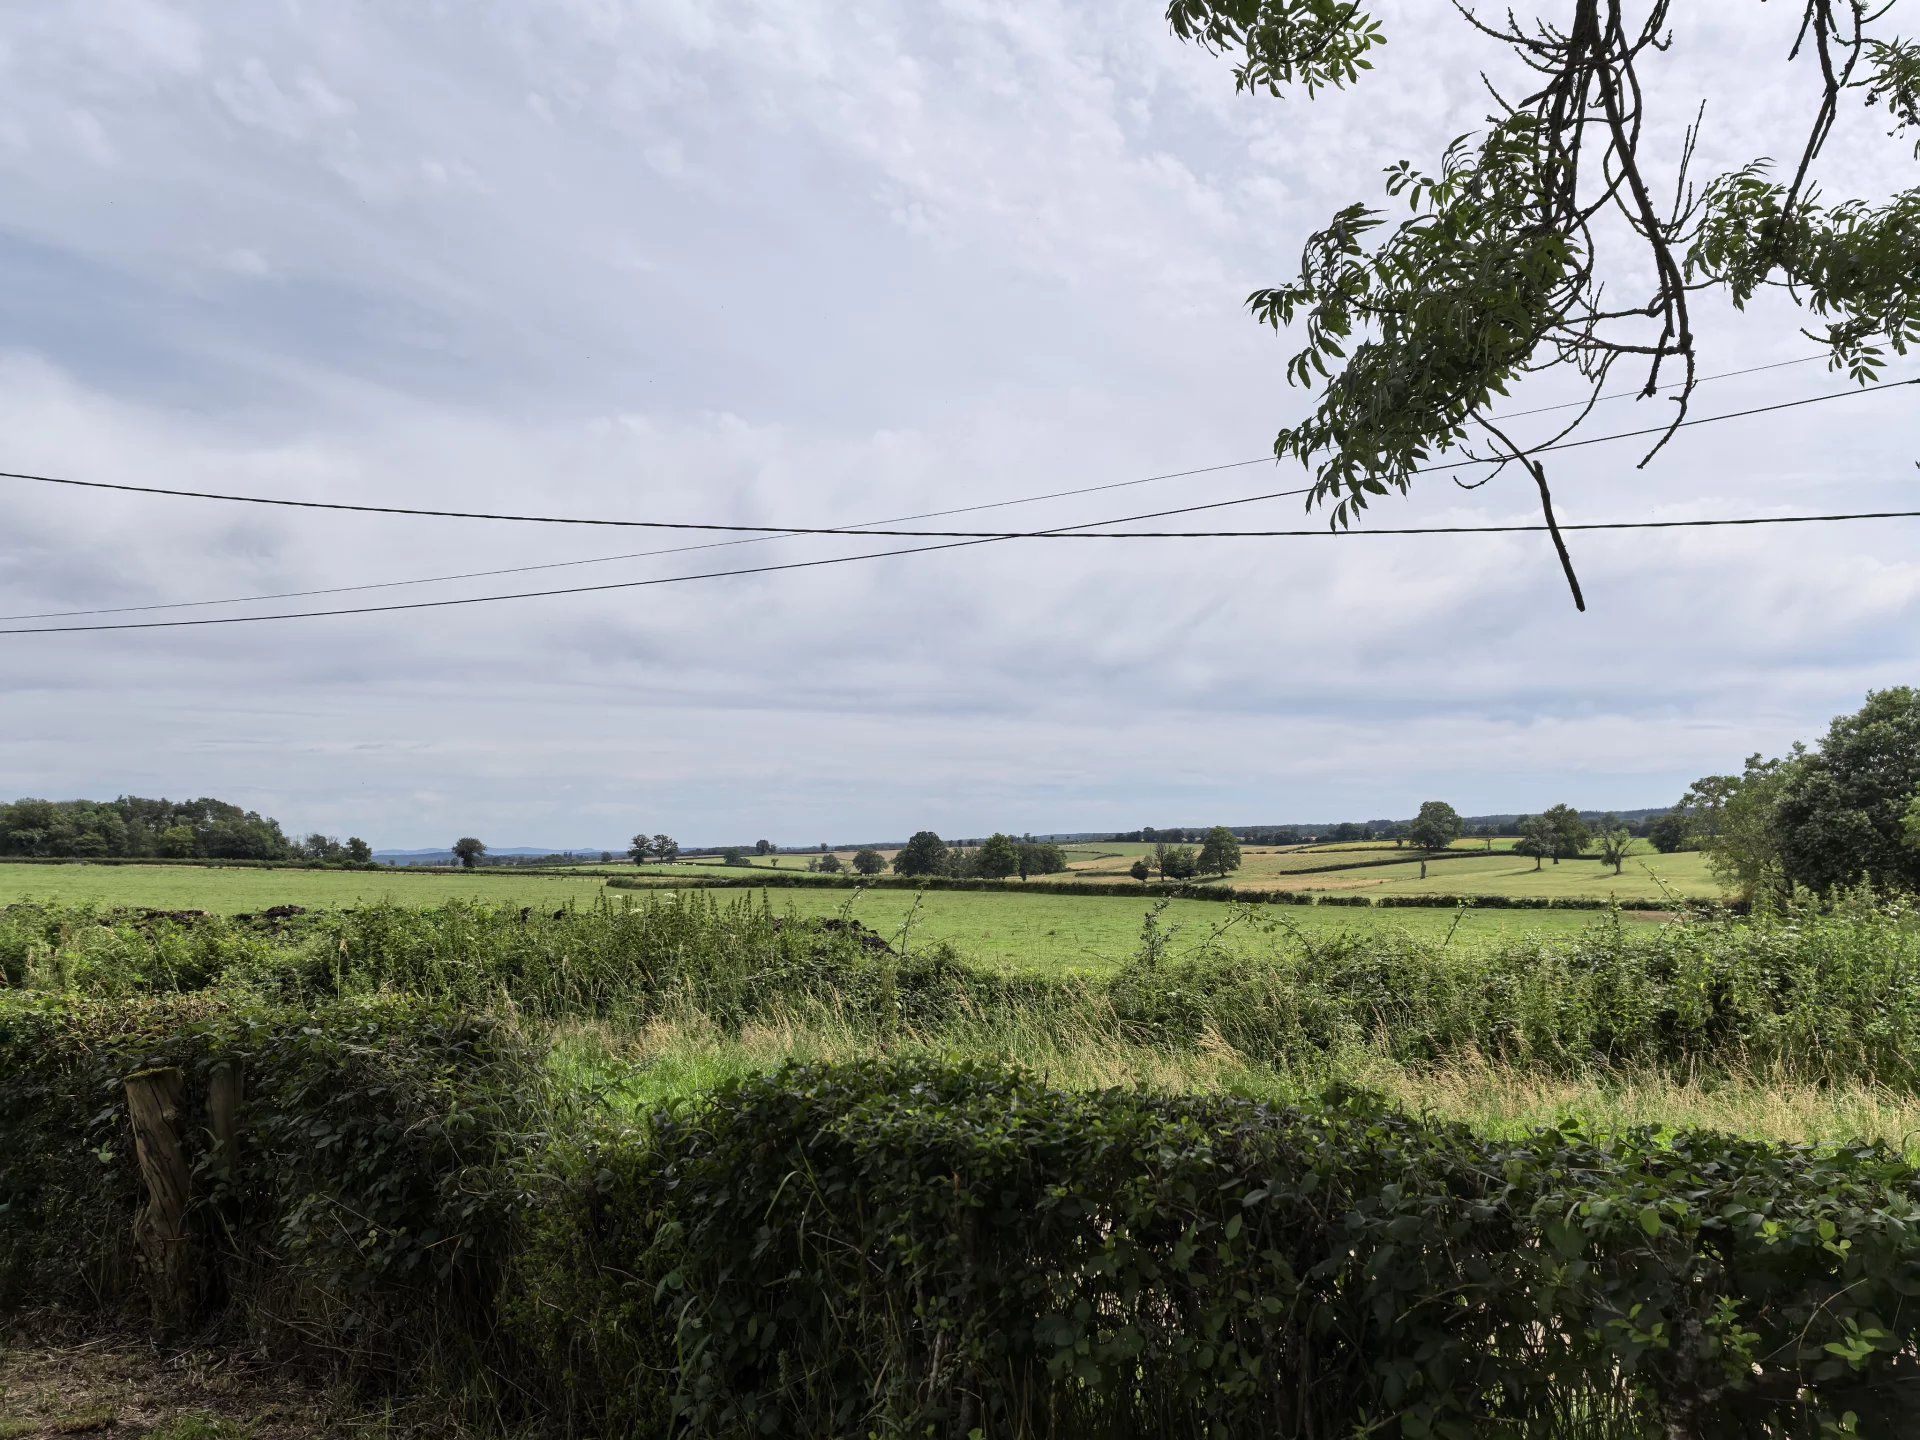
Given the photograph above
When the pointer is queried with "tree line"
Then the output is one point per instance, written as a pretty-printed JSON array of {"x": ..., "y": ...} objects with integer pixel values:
[
  {"x": 133, "y": 827},
  {"x": 998, "y": 857}
]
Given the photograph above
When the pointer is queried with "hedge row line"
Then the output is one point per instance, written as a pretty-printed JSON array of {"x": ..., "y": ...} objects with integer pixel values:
[
  {"x": 1234, "y": 894},
  {"x": 203, "y": 863},
  {"x": 887, "y": 1248}
]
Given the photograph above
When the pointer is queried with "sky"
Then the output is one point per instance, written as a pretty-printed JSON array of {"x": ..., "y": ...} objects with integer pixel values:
[{"x": 829, "y": 262}]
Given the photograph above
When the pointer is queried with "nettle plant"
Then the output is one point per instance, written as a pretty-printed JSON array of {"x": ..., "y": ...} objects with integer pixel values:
[{"x": 1412, "y": 330}]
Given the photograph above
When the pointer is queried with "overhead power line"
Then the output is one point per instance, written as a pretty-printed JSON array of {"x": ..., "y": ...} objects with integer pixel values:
[
  {"x": 1746, "y": 520},
  {"x": 860, "y": 527},
  {"x": 602, "y": 521}
]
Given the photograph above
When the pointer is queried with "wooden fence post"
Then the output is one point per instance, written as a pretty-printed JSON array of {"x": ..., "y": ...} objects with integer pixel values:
[
  {"x": 153, "y": 1101},
  {"x": 225, "y": 1090}
]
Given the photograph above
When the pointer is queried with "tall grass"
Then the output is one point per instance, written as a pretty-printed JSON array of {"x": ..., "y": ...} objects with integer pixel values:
[{"x": 1801, "y": 998}]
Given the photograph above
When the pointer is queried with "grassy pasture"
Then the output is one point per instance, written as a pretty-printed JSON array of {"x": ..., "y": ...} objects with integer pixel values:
[{"x": 1005, "y": 930}]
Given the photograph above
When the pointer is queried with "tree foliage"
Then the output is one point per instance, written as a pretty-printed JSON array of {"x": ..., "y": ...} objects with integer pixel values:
[
  {"x": 468, "y": 851},
  {"x": 924, "y": 854},
  {"x": 132, "y": 827},
  {"x": 1536, "y": 838},
  {"x": 1436, "y": 827},
  {"x": 869, "y": 861},
  {"x": 1841, "y": 808},
  {"x": 1219, "y": 852},
  {"x": 1557, "y": 239}
]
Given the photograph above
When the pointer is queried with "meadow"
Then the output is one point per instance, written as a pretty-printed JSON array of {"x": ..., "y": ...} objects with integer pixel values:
[{"x": 1037, "y": 932}]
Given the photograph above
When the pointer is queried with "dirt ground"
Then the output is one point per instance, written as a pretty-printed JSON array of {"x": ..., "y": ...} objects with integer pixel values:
[{"x": 120, "y": 1386}]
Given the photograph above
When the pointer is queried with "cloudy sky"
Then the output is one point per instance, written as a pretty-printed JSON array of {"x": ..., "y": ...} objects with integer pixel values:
[{"x": 830, "y": 262}]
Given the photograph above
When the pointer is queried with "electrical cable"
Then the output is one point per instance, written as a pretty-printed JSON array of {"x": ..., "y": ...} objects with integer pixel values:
[{"x": 1317, "y": 533}]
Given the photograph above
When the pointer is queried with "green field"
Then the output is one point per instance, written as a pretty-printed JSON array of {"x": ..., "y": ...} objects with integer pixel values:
[
  {"x": 232, "y": 891},
  {"x": 1007, "y": 929}
]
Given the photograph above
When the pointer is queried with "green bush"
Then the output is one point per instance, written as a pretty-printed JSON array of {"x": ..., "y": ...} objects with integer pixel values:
[
  {"x": 1831, "y": 997},
  {"x": 930, "y": 1250},
  {"x": 368, "y": 1208}
]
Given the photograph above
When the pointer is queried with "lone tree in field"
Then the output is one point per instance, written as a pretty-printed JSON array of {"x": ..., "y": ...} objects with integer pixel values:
[
  {"x": 1559, "y": 238},
  {"x": 998, "y": 857},
  {"x": 468, "y": 851},
  {"x": 1616, "y": 843},
  {"x": 1141, "y": 870},
  {"x": 829, "y": 864},
  {"x": 1219, "y": 852},
  {"x": 1570, "y": 832},
  {"x": 666, "y": 849},
  {"x": 358, "y": 851},
  {"x": 1176, "y": 862},
  {"x": 869, "y": 861},
  {"x": 924, "y": 854},
  {"x": 1668, "y": 834},
  {"x": 640, "y": 849},
  {"x": 1536, "y": 838},
  {"x": 1436, "y": 827},
  {"x": 763, "y": 847}
]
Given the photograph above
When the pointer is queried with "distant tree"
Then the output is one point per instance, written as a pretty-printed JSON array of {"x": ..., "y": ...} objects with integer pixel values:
[
  {"x": 1670, "y": 833},
  {"x": 1179, "y": 863},
  {"x": 869, "y": 861},
  {"x": 640, "y": 848},
  {"x": 177, "y": 842},
  {"x": 824, "y": 847},
  {"x": 813, "y": 863},
  {"x": 998, "y": 857},
  {"x": 606, "y": 857},
  {"x": 1041, "y": 857},
  {"x": 733, "y": 855},
  {"x": 1616, "y": 843},
  {"x": 324, "y": 848},
  {"x": 1570, "y": 832},
  {"x": 358, "y": 851},
  {"x": 1536, "y": 838},
  {"x": 1141, "y": 870},
  {"x": 1219, "y": 852},
  {"x": 468, "y": 851},
  {"x": 1345, "y": 833},
  {"x": 763, "y": 847},
  {"x": 925, "y": 854},
  {"x": 666, "y": 849},
  {"x": 829, "y": 864},
  {"x": 1436, "y": 827}
]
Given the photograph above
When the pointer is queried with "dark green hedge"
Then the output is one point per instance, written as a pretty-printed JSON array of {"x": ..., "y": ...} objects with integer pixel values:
[
  {"x": 922, "y": 1250},
  {"x": 369, "y": 1208},
  {"x": 773, "y": 881}
]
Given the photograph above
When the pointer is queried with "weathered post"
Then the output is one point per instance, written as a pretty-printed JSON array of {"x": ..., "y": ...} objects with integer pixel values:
[
  {"x": 225, "y": 1090},
  {"x": 160, "y": 1232}
]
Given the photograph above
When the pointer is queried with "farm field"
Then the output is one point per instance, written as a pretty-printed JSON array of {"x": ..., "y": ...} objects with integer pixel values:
[
  {"x": 1094, "y": 934},
  {"x": 232, "y": 891},
  {"x": 1037, "y": 932}
]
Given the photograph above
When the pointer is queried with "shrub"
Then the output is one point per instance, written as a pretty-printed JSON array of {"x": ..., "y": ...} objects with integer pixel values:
[
  {"x": 921, "y": 1249},
  {"x": 367, "y": 1210}
]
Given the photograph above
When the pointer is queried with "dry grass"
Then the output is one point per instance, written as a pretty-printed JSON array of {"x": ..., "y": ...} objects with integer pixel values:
[{"x": 672, "y": 1058}]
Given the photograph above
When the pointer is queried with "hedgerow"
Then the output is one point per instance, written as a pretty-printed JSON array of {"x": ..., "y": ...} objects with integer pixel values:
[
  {"x": 1242, "y": 895},
  {"x": 367, "y": 1208},
  {"x": 918, "y": 1249}
]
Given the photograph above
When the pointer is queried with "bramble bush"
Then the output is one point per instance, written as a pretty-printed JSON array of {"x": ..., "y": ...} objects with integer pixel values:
[
  {"x": 895, "y": 1249},
  {"x": 367, "y": 1209}
]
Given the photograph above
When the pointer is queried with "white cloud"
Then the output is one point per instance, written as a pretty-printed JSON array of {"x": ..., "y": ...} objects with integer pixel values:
[{"x": 806, "y": 262}]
